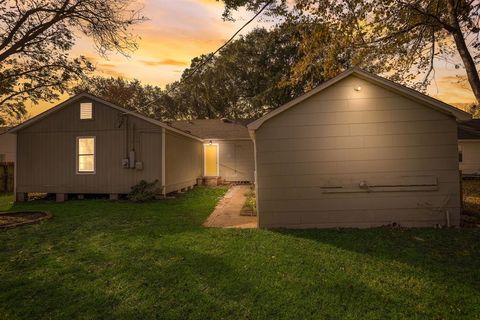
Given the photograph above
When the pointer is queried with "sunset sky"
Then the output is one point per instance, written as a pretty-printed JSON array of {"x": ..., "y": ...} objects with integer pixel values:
[{"x": 179, "y": 30}]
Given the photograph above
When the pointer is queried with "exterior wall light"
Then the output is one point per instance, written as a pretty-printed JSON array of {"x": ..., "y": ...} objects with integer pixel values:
[
  {"x": 210, "y": 142},
  {"x": 357, "y": 88}
]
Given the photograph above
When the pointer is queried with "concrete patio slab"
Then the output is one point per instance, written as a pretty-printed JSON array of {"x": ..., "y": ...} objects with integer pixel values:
[{"x": 227, "y": 212}]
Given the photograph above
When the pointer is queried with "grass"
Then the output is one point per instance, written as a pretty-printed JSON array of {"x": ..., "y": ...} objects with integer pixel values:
[{"x": 102, "y": 260}]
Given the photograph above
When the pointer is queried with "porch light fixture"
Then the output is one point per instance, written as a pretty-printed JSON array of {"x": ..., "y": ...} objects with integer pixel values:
[
  {"x": 357, "y": 88},
  {"x": 210, "y": 142}
]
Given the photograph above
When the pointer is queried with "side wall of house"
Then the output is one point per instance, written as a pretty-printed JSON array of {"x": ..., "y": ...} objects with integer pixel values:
[
  {"x": 317, "y": 160},
  {"x": 471, "y": 156},
  {"x": 8, "y": 146},
  {"x": 183, "y": 161},
  {"x": 47, "y": 151},
  {"x": 236, "y": 160}
]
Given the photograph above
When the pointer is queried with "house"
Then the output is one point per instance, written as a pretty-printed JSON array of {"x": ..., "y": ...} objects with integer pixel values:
[
  {"x": 88, "y": 145},
  {"x": 228, "y": 149},
  {"x": 358, "y": 151},
  {"x": 7, "y": 145},
  {"x": 469, "y": 147}
]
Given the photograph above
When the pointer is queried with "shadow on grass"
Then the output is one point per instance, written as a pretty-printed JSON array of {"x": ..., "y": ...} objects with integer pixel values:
[
  {"x": 451, "y": 255},
  {"x": 178, "y": 283}
]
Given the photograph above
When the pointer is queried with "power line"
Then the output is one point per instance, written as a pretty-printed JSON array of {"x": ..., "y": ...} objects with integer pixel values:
[{"x": 210, "y": 57}]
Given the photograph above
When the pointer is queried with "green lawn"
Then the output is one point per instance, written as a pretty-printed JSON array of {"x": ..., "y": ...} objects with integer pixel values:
[{"x": 97, "y": 259}]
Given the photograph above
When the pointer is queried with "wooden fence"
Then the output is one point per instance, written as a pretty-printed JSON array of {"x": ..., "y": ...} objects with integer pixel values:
[{"x": 6, "y": 177}]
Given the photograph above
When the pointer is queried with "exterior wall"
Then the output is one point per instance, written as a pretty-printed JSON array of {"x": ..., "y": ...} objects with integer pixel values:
[
  {"x": 183, "y": 161},
  {"x": 236, "y": 159},
  {"x": 8, "y": 146},
  {"x": 312, "y": 158},
  {"x": 46, "y": 160},
  {"x": 471, "y": 156}
]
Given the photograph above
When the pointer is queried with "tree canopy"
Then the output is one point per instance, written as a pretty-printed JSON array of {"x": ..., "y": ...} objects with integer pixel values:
[
  {"x": 314, "y": 41},
  {"x": 129, "y": 94},
  {"x": 37, "y": 35},
  {"x": 400, "y": 38},
  {"x": 248, "y": 77}
]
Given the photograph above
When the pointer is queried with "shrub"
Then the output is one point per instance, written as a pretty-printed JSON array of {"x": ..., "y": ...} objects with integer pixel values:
[{"x": 143, "y": 191}]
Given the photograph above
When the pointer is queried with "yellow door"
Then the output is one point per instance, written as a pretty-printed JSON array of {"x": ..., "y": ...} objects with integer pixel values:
[{"x": 211, "y": 160}]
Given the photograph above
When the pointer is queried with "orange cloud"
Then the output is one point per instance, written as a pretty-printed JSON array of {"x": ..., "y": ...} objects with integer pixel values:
[
  {"x": 211, "y": 2},
  {"x": 453, "y": 89},
  {"x": 169, "y": 62}
]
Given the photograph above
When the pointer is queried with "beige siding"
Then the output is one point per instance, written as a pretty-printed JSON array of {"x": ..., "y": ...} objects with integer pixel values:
[
  {"x": 184, "y": 161},
  {"x": 339, "y": 138},
  {"x": 236, "y": 160},
  {"x": 47, "y": 152},
  {"x": 8, "y": 146},
  {"x": 471, "y": 156}
]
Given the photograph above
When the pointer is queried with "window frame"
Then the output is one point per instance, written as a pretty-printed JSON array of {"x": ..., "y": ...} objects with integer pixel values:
[
  {"x": 77, "y": 156},
  {"x": 80, "y": 111}
]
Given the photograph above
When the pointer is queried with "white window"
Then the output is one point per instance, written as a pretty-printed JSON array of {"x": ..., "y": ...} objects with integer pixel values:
[
  {"x": 86, "y": 111},
  {"x": 86, "y": 155}
]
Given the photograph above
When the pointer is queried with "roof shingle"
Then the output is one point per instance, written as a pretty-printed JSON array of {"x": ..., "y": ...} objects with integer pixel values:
[
  {"x": 469, "y": 130},
  {"x": 214, "y": 128}
]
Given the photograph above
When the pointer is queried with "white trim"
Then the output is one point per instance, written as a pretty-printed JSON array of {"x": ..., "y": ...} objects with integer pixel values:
[
  {"x": 15, "y": 165},
  {"x": 92, "y": 97},
  {"x": 255, "y": 173},
  {"x": 94, "y": 155},
  {"x": 469, "y": 140},
  {"x": 400, "y": 89},
  {"x": 164, "y": 187},
  {"x": 205, "y": 159},
  {"x": 206, "y": 140}
]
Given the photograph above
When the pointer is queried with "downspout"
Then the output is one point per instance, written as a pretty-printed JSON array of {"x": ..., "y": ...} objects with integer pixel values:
[
  {"x": 126, "y": 136},
  {"x": 164, "y": 188},
  {"x": 15, "y": 164},
  {"x": 255, "y": 175},
  {"x": 131, "y": 154}
]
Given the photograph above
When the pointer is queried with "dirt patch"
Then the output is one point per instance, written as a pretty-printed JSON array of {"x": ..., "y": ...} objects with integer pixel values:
[{"x": 16, "y": 219}]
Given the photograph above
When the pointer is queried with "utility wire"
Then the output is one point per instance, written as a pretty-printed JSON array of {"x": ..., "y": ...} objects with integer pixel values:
[{"x": 210, "y": 57}]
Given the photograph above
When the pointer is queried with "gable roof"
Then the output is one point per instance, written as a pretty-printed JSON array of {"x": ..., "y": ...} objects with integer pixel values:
[
  {"x": 219, "y": 129},
  {"x": 100, "y": 100},
  {"x": 469, "y": 130},
  {"x": 382, "y": 82}
]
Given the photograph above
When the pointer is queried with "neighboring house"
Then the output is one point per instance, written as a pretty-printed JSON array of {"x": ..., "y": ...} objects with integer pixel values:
[
  {"x": 228, "y": 149},
  {"x": 358, "y": 151},
  {"x": 7, "y": 145},
  {"x": 88, "y": 145},
  {"x": 469, "y": 147}
]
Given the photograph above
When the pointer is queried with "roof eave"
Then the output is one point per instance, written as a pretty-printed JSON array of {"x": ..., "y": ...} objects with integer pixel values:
[
  {"x": 458, "y": 114},
  {"x": 114, "y": 106}
]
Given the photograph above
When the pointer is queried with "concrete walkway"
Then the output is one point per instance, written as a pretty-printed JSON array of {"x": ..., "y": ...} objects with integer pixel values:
[{"x": 227, "y": 212}]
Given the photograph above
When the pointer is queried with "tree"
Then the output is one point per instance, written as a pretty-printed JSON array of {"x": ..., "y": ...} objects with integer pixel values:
[
  {"x": 400, "y": 37},
  {"x": 37, "y": 35},
  {"x": 129, "y": 94},
  {"x": 250, "y": 75}
]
